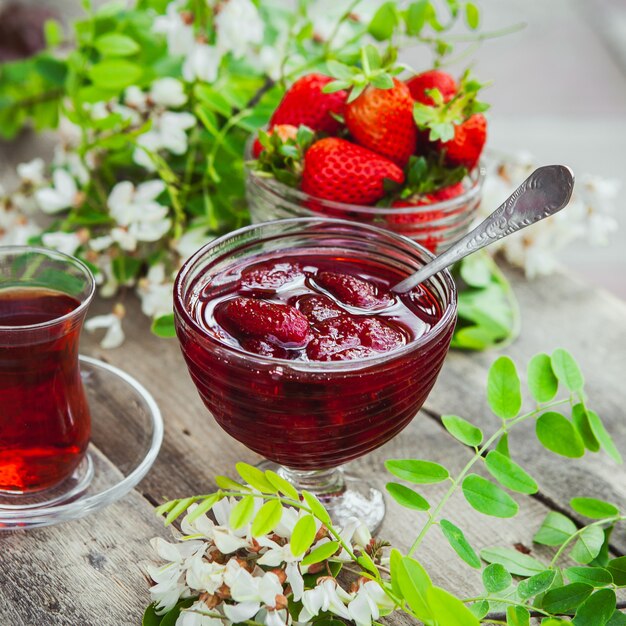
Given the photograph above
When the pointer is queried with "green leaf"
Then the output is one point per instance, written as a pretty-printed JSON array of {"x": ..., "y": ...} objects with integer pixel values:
[
  {"x": 53, "y": 33},
  {"x": 503, "y": 445},
  {"x": 228, "y": 483},
  {"x": 593, "y": 508},
  {"x": 517, "y": 616},
  {"x": 580, "y": 419},
  {"x": 536, "y": 584},
  {"x": 462, "y": 430},
  {"x": 126, "y": 268},
  {"x": 242, "y": 512},
  {"x": 617, "y": 619},
  {"x": 448, "y": 609},
  {"x": 601, "y": 434},
  {"x": 594, "y": 576},
  {"x": 150, "y": 618},
  {"x": 472, "y": 15},
  {"x": 417, "y": 472},
  {"x": 282, "y": 485},
  {"x": 566, "y": 598},
  {"x": 488, "y": 498},
  {"x": 557, "y": 434},
  {"x": 384, "y": 22},
  {"x": 406, "y": 497},
  {"x": 510, "y": 474},
  {"x": 321, "y": 553},
  {"x": 496, "y": 578},
  {"x": 479, "y": 609},
  {"x": 414, "y": 584},
  {"x": 365, "y": 561},
  {"x": 617, "y": 568},
  {"x": 415, "y": 17},
  {"x": 475, "y": 271},
  {"x": 459, "y": 543},
  {"x": 204, "y": 506},
  {"x": 596, "y": 610},
  {"x": 566, "y": 370},
  {"x": 179, "y": 508},
  {"x": 395, "y": 563},
  {"x": 555, "y": 529},
  {"x": 163, "y": 326},
  {"x": 115, "y": 74},
  {"x": 255, "y": 477},
  {"x": 303, "y": 535},
  {"x": 504, "y": 389},
  {"x": 317, "y": 508},
  {"x": 588, "y": 545},
  {"x": 267, "y": 518},
  {"x": 116, "y": 45},
  {"x": 513, "y": 561},
  {"x": 542, "y": 380},
  {"x": 339, "y": 70},
  {"x": 382, "y": 81}
]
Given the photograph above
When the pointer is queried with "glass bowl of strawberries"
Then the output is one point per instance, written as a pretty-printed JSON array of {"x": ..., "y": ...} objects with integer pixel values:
[
  {"x": 302, "y": 353},
  {"x": 403, "y": 155}
]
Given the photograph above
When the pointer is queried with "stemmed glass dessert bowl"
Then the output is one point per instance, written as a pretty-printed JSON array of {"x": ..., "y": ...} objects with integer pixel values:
[{"x": 300, "y": 351}]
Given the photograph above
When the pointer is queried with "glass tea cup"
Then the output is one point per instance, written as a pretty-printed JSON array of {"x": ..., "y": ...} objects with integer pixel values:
[
  {"x": 310, "y": 417},
  {"x": 44, "y": 417}
]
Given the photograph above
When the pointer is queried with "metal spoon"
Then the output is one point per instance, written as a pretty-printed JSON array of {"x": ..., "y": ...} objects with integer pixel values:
[{"x": 545, "y": 192}]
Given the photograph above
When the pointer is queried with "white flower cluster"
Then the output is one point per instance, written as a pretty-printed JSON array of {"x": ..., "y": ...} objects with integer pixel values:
[
  {"x": 236, "y": 577},
  {"x": 589, "y": 215},
  {"x": 238, "y": 27}
]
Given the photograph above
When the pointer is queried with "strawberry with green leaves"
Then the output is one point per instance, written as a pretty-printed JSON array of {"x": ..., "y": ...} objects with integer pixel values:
[
  {"x": 455, "y": 126},
  {"x": 338, "y": 170},
  {"x": 379, "y": 111},
  {"x": 421, "y": 84},
  {"x": 306, "y": 103}
]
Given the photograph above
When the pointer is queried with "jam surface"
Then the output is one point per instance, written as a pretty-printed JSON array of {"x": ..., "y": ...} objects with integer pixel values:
[{"x": 313, "y": 308}]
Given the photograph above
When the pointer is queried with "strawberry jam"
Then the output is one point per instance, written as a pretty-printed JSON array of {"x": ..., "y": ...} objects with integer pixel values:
[{"x": 300, "y": 351}]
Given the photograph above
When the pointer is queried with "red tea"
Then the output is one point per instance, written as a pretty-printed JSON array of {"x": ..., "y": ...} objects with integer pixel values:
[
  {"x": 44, "y": 417},
  {"x": 313, "y": 408}
]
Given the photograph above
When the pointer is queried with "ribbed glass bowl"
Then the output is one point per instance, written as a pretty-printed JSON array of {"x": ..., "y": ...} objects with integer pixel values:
[{"x": 435, "y": 226}]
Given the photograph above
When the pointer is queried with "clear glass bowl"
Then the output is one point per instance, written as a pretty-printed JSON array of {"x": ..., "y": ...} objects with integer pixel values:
[
  {"x": 311, "y": 417},
  {"x": 435, "y": 226}
]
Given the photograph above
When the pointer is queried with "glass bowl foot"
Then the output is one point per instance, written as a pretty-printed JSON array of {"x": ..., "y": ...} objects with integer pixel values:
[{"x": 343, "y": 495}]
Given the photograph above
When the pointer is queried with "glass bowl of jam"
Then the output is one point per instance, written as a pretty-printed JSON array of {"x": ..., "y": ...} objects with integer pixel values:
[{"x": 301, "y": 352}]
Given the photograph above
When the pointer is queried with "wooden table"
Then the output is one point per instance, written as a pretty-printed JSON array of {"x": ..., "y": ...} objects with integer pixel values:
[{"x": 89, "y": 572}]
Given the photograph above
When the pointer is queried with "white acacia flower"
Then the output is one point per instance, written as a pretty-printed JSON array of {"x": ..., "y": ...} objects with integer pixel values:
[
  {"x": 238, "y": 26},
  {"x": 168, "y": 92},
  {"x": 136, "y": 210},
  {"x": 32, "y": 172},
  {"x": 204, "y": 575},
  {"x": 179, "y": 34},
  {"x": 67, "y": 243},
  {"x": 170, "y": 588},
  {"x": 327, "y": 595},
  {"x": 62, "y": 195},
  {"x": 195, "y": 615},
  {"x": 168, "y": 132},
  {"x": 369, "y": 603},
  {"x": 355, "y": 532},
  {"x": 191, "y": 242},
  {"x": 15, "y": 228},
  {"x": 251, "y": 592},
  {"x": 155, "y": 292},
  {"x": 114, "y": 335},
  {"x": 202, "y": 63}
]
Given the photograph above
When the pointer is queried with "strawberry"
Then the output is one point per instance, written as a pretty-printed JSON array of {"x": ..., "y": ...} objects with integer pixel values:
[
  {"x": 284, "y": 131},
  {"x": 335, "y": 169},
  {"x": 346, "y": 338},
  {"x": 306, "y": 104},
  {"x": 382, "y": 121},
  {"x": 433, "y": 79},
  {"x": 317, "y": 308},
  {"x": 468, "y": 142},
  {"x": 441, "y": 195},
  {"x": 352, "y": 290},
  {"x": 270, "y": 276},
  {"x": 268, "y": 321}
]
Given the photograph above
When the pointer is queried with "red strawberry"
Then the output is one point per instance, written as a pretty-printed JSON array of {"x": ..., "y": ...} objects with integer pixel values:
[
  {"x": 305, "y": 103},
  {"x": 264, "y": 320},
  {"x": 345, "y": 338},
  {"x": 317, "y": 308},
  {"x": 284, "y": 131},
  {"x": 433, "y": 79},
  {"x": 353, "y": 291},
  {"x": 382, "y": 120},
  {"x": 468, "y": 142},
  {"x": 270, "y": 276},
  {"x": 335, "y": 169},
  {"x": 441, "y": 195}
]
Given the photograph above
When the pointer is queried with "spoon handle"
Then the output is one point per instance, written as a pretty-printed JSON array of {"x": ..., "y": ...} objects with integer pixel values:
[{"x": 545, "y": 192}]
